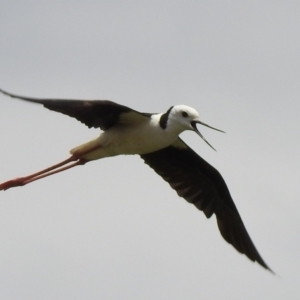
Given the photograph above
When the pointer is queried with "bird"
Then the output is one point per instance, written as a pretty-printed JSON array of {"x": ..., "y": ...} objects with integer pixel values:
[{"x": 155, "y": 138}]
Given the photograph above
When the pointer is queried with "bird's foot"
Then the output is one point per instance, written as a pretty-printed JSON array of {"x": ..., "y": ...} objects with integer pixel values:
[{"x": 12, "y": 183}]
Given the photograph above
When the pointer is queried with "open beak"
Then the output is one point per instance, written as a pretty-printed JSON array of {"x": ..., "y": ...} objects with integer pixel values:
[{"x": 193, "y": 124}]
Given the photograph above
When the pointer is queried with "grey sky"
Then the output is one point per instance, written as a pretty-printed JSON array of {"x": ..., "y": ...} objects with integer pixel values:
[{"x": 113, "y": 229}]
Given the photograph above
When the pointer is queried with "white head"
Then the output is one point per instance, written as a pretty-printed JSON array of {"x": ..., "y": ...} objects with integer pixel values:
[{"x": 182, "y": 117}]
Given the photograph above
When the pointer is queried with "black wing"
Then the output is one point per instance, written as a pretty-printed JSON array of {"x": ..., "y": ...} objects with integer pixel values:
[
  {"x": 96, "y": 113},
  {"x": 201, "y": 184}
]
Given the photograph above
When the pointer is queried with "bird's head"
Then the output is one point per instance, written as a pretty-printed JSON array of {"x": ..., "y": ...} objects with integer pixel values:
[{"x": 186, "y": 118}]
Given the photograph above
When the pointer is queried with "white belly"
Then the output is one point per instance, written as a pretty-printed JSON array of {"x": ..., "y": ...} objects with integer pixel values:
[{"x": 126, "y": 140}]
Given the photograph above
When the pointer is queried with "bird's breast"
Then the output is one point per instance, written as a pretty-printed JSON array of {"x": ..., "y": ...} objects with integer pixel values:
[
  {"x": 137, "y": 140},
  {"x": 126, "y": 140}
]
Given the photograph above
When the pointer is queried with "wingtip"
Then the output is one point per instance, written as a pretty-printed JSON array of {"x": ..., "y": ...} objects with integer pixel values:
[
  {"x": 268, "y": 268},
  {"x": 265, "y": 266},
  {"x": 3, "y": 92},
  {"x": 8, "y": 94}
]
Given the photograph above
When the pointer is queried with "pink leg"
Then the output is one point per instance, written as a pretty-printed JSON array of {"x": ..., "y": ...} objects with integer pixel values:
[
  {"x": 79, "y": 162},
  {"x": 75, "y": 158},
  {"x": 44, "y": 173}
]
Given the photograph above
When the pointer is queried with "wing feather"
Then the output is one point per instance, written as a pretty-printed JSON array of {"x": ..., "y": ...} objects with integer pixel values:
[
  {"x": 201, "y": 184},
  {"x": 96, "y": 113}
]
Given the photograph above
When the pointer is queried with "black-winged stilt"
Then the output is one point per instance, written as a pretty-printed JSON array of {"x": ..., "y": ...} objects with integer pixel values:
[{"x": 155, "y": 137}]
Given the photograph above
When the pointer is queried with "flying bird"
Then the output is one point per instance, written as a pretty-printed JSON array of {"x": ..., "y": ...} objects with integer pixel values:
[{"x": 155, "y": 137}]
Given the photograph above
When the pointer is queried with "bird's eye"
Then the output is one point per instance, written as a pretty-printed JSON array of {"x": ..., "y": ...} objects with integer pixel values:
[{"x": 184, "y": 114}]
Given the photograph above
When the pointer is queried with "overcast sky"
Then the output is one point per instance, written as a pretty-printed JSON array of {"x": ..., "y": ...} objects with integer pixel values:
[{"x": 113, "y": 229}]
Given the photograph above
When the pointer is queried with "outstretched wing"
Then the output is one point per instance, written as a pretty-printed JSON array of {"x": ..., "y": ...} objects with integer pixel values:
[
  {"x": 201, "y": 184},
  {"x": 96, "y": 113}
]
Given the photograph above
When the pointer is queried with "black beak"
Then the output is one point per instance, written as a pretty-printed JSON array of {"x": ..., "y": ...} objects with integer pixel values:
[{"x": 193, "y": 124}]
